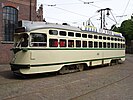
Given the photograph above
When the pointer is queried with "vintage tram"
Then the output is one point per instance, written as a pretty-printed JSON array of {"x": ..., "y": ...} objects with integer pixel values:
[{"x": 41, "y": 47}]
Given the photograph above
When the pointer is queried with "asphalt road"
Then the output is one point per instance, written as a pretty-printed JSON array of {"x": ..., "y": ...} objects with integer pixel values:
[{"x": 98, "y": 83}]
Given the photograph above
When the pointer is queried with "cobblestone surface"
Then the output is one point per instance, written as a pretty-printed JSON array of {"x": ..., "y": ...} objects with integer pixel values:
[{"x": 101, "y": 83}]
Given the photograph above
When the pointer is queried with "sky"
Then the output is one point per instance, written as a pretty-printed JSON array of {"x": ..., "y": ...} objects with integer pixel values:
[{"x": 75, "y": 12}]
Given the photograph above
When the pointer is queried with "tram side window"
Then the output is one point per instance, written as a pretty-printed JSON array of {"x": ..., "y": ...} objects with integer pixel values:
[
  {"x": 90, "y": 44},
  {"x": 53, "y": 43},
  {"x": 95, "y": 36},
  {"x": 71, "y": 34},
  {"x": 115, "y": 45},
  {"x": 112, "y": 45},
  {"x": 112, "y": 38},
  {"x": 70, "y": 43},
  {"x": 100, "y": 37},
  {"x": 84, "y": 44},
  {"x": 38, "y": 40},
  {"x": 121, "y": 45},
  {"x": 104, "y": 44},
  {"x": 84, "y": 35},
  {"x": 62, "y": 33},
  {"x": 115, "y": 39},
  {"x": 108, "y": 45},
  {"x": 104, "y": 38},
  {"x": 53, "y": 32},
  {"x": 78, "y": 35},
  {"x": 78, "y": 43},
  {"x": 90, "y": 36},
  {"x": 118, "y": 45},
  {"x": 100, "y": 44},
  {"x": 95, "y": 44},
  {"x": 108, "y": 38},
  {"x": 62, "y": 43}
]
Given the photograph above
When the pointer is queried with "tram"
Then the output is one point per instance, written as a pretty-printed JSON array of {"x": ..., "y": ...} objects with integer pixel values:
[{"x": 41, "y": 47}]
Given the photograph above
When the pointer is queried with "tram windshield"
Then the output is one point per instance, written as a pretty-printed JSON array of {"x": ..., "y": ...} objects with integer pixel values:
[{"x": 21, "y": 40}]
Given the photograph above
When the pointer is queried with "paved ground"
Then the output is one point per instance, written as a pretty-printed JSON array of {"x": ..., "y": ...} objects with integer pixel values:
[{"x": 101, "y": 83}]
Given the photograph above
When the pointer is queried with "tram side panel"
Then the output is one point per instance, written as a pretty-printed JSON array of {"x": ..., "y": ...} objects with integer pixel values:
[
  {"x": 56, "y": 59},
  {"x": 113, "y": 54}
]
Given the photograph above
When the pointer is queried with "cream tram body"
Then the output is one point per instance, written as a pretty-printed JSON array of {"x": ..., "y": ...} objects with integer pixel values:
[{"x": 49, "y": 49}]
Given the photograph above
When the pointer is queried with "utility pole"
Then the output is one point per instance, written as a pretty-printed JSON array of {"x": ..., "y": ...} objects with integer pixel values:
[{"x": 102, "y": 18}]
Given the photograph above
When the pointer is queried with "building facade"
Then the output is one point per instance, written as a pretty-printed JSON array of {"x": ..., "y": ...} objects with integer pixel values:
[{"x": 11, "y": 11}]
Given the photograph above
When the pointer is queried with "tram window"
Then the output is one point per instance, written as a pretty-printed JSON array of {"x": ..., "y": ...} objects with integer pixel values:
[
  {"x": 90, "y": 44},
  {"x": 100, "y": 37},
  {"x": 115, "y": 39},
  {"x": 38, "y": 39},
  {"x": 95, "y": 36},
  {"x": 104, "y": 44},
  {"x": 121, "y": 45},
  {"x": 70, "y": 43},
  {"x": 90, "y": 36},
  {"x": 108, "y": 38},
  {"x": 84, "y": 35},
  {"x": 112, "y": 45},
  {"x": 104, "y": 38},
  {"x": 62, "y": 33},
  {"x": 53, "y": 32},
  {"x": 100, "y": 44},
  {"x": 62, "y": 43},
  {"x": 53, "y": 43},
  {"x": 108, "y": 45},
  {"x": 24, "y": 40},
  {"x": 84, "y": 44},
  {"x": 78, "y": 35},
  {"x": 95, "y": 44},
  {"x": 112, "y": 39},
  {"x": 118, "y": 45},
  {"x": 78, "y": 43},
  {"x": 115, "y": 45},
  {"x": 70, "y": 34}
]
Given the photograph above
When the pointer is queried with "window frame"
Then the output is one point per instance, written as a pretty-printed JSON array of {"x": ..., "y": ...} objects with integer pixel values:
[
  {"x": 9, "y": 22},
  {"x": 38, "y": 43}
]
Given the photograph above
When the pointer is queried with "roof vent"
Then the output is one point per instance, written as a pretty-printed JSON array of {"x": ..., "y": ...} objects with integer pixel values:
[{"x": 65, "y": 24}]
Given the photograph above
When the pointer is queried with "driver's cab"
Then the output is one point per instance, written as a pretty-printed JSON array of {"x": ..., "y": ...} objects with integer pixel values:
[{"x": 32, "y": 39}]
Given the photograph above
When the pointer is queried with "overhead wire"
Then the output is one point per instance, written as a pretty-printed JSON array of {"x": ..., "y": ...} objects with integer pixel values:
[
  {"x": 124, "y": 10},
  {"x": 55, "y": 6},
  {"x": 68, "y": 11}
]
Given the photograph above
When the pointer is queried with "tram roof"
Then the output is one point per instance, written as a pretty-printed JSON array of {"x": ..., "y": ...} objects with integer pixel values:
[{"x": 31, "y": 25}]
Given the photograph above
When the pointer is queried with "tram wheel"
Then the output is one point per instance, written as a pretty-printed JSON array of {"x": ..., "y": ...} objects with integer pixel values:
[{"x": 80, "y": 67}]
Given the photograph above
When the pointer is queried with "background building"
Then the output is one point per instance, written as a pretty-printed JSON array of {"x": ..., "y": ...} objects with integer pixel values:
[{"x": 11, "y": 11}]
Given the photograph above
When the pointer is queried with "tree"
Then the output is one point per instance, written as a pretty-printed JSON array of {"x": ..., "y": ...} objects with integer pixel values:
[{"x": 126, "y": 29}]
